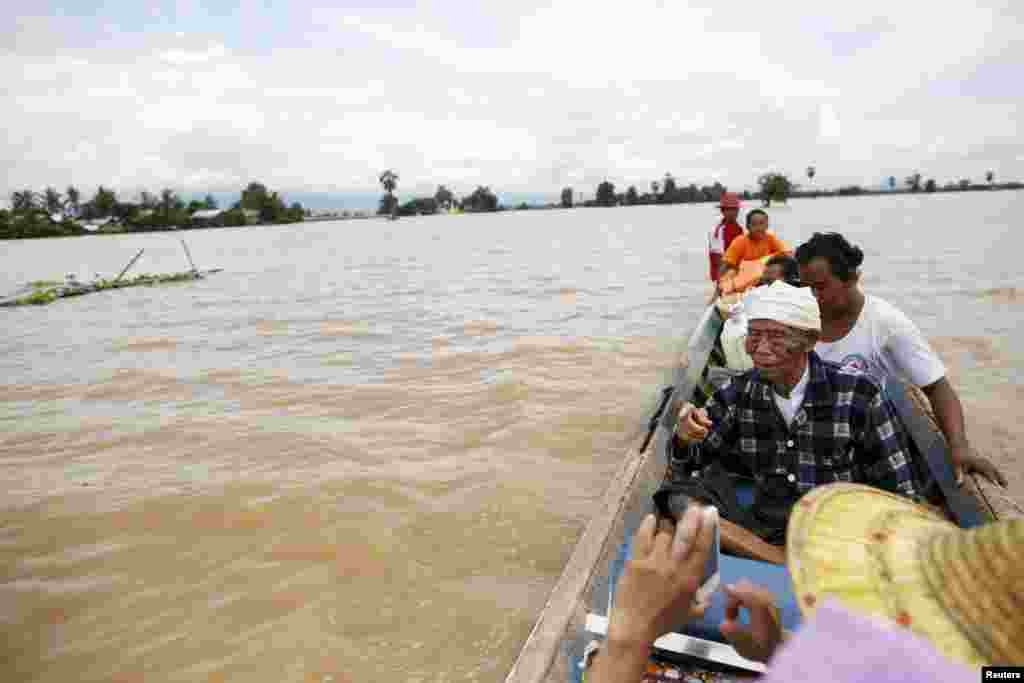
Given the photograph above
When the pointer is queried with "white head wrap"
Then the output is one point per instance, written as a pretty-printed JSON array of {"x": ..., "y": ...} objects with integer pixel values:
[{"x": 786, "y": 304}]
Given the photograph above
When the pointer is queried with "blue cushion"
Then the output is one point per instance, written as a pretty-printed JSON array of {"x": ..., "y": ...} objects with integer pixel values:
[{"x": 744, "y": 492}]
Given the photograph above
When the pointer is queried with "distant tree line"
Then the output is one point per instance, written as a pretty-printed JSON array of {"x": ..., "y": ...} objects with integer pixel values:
[
  {"x": 916, "y": 182},
  {"x": 773, "y": 186},
  {"x": 663, "y": 191},
  {"x": 480, "y": 200},
  {"x": 52, "y": 214}
]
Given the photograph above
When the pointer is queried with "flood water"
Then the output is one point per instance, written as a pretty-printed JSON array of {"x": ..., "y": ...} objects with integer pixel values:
[{"x": 364, "y": 451}]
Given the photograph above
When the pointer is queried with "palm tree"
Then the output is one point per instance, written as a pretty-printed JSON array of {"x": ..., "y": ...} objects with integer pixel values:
[
  {"x": 389, "y": 180},
  {"x": 73, "y": 198},
  {"x": 23, "y": 201},
  {"x": 52, "y": 201}
]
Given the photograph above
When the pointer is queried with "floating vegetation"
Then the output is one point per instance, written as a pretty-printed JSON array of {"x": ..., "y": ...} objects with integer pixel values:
[{"x": 42, "y": 292}]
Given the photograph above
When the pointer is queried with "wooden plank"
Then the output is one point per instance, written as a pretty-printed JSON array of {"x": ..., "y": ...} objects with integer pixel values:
[
  {"x": 543, "y": 644},
  {"x": 996, "y": 502}
]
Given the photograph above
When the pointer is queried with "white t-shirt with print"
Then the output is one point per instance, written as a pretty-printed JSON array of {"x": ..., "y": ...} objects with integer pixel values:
[{"x": 884, "y": 342}]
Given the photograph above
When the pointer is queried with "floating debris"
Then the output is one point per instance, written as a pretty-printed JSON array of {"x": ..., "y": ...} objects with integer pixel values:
[
  {"x": 42, "y": 292},
  {"x": 46, "y": 292}
]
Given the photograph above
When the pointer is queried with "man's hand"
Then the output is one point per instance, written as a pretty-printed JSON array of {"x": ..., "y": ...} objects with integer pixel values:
[
  {"x": 693, "y": 423},
  {"x": 966, "y": 461},
  {"x": 759, "y": 640},
  {"x": 656, "y": 590}
]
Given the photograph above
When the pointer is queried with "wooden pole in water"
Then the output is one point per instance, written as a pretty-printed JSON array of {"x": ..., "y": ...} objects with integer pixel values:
[
  {"x": 130, "y": 264},
  {"x": 188, "y": 255}
]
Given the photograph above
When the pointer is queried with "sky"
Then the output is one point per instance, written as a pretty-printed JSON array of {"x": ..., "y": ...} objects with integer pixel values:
[{"x": 522, "y": 97}]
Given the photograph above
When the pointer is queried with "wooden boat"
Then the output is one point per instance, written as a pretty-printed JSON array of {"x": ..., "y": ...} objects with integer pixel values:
[{"x": 577, "y": 607}]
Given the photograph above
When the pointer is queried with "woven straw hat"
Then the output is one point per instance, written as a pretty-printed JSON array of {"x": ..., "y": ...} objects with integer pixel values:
[{"x": 880, "y": 554}]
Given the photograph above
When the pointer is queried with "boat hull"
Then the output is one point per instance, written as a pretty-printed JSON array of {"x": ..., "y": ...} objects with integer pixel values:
[{"x": 554, "y": 649}]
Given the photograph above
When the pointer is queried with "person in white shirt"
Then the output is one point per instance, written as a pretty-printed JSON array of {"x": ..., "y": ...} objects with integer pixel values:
[{"x": 868, "y": 333}]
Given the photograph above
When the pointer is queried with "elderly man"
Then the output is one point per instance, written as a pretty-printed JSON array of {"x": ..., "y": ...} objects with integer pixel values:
[{"x": 791, "y": 423}]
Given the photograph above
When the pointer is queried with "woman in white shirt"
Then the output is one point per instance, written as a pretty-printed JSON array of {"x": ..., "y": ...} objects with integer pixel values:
[{"x": 863, "y": 331}]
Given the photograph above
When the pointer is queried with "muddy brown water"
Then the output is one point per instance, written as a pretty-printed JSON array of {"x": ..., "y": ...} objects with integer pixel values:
[{"x": 364, "y": 452}]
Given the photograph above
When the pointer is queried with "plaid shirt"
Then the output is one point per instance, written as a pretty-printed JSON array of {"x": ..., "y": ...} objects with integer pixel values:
[{"x": 843, "y": 431}]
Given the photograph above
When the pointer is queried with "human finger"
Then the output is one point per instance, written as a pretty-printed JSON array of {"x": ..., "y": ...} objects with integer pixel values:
[
  {"x": 697, "y": 610},
  {"x": 643, "y": 540},
  {"x": 686, "y": 530},
  {"x": 732, "y": 604},
  {"x": 700, "y": 546},
  {"x": 663, "y": 537},
  {"x": 684, "y": 414}
]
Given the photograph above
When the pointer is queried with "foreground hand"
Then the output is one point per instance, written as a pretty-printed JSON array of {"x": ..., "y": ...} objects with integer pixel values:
[
  {"x": 656, "y": 590},
  {"x": 693, "y": 423},
  {"x": 966, "y": 461},
  {"x": 759, "y": 639}
]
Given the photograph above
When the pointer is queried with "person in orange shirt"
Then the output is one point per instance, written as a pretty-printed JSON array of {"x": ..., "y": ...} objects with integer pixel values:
[{"x": 757, "y": 244}]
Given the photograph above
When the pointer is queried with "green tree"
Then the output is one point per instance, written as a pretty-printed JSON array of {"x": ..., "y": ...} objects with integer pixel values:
[
  {"x": 210, "y": 202},
  {"x": 913, "y": 181},
  {"x": 254, "y": 196},
  {"x": 147, "y": 200},
  {"x": 775, "y": 186},
  {"x": 167, "y": 200},
  {"x": 24, "y": 201},
  {"x": 892, "y": 182},
  {"x": 811, "y": 171},
  {"x": 104, "y": 202},
  {"x": 655, "y": 188},
  {"x": 444, "y": 197},
  {"x": 605, "y": 194},
  {"x": 632, "y": 198},
  {"x": 566, "y": 197},
  {"x": 482, "y": 199},
  {"x": 52, "y": 201},
  {"x": 195, "y": 205},
  {"x": 990, "y": 178},
  {"x": 273, "y": 209},
  {"x": 930, "y": 185},
  {"x": 668, "y": 193},
  {"x": 234, "y": 217}
]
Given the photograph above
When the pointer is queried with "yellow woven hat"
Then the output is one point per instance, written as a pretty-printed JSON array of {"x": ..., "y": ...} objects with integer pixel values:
[{"x": 880, "y": 554}]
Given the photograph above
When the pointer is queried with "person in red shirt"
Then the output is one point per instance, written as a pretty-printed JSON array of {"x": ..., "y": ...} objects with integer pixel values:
[{"x": 724, "y": 233}]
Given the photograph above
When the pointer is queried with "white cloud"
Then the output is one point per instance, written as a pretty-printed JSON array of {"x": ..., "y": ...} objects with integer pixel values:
[
  {"x": 522, "y": 99},
  {"x": 180, "y": 57}
]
